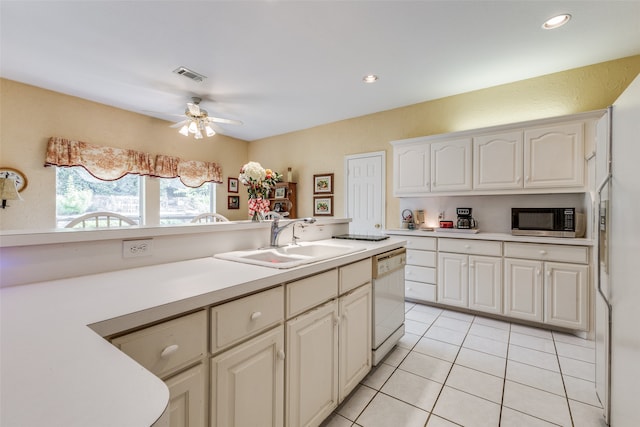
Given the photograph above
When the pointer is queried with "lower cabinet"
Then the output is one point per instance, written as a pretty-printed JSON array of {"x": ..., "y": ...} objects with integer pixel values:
[
  {"x": 187, "y": 401},
  {"x": 566, "y": 295},
  {"x": 247, "y": 383},
  {"x": 523, "y": 289}
]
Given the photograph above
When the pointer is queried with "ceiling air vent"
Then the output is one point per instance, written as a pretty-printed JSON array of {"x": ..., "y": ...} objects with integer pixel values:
[{"x": 184, "y": 71}]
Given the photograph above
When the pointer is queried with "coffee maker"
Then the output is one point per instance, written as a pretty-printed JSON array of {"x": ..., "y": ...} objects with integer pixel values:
[{"x": 465, "y": 220}]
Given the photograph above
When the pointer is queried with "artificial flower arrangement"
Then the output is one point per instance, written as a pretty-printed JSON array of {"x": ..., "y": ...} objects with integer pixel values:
[{"x": 258, "y": 181}]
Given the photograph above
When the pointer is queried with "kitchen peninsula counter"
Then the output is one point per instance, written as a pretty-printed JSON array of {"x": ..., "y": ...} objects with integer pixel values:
[{"x": 58, "y": 370}]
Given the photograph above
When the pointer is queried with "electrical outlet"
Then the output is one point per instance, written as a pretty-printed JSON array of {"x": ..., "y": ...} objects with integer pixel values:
[{"x": 137, "y": 248}]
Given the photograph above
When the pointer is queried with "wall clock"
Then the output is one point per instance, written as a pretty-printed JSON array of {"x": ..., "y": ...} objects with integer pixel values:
[{"x": 20, "y": 178}]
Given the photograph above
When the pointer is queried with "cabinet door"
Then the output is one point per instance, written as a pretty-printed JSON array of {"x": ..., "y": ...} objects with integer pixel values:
[
  {"x": 554, "y": 156},
  {"x": 247, "y": 383},
  {"x": 187, "y": 398},
  {"x": 453, "y": 279},
  {"x": 451, "y": 165},
  {"x": 411, "y": 169},
  {"x": 485, "y": 284},
  {"x": 523, "y": 289},
  {"x": 312, "y": 366},
  {"x": 497, "y": 161},
  {"x": 566, "y": 295},
  {"x": 355, "y": 338}
]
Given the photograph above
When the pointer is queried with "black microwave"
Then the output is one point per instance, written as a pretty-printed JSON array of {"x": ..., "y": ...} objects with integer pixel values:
[{"x": 552, "y": 222}]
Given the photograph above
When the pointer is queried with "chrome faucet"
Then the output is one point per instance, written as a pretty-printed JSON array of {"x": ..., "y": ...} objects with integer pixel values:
[{"x": 276, "y": 229}]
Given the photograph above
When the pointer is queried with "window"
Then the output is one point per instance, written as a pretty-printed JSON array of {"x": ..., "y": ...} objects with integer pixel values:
[
  {"x": 180, "y": 204},
  {"x": 78, "y": 192}
]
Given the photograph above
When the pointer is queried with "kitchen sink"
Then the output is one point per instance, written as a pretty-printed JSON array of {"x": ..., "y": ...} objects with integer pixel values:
[{"x": 290, "y": 256}]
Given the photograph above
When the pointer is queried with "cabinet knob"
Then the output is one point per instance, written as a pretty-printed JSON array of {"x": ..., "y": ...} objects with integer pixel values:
[
  {"x": 464, "y": 264},
  {"x": 543, "y": 252},
  {"x": 517, "y": 179},
  {"x": 537, "y": 271},
  {"x": 281, "y": 354},
  {"x": 378, "y": 226},
  {"x": 168, "y": 351},
  {"x": 467, "y": 246},
  {"x": 255, "y": 315}
]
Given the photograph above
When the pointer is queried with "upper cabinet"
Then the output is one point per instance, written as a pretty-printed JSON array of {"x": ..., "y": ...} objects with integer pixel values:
[
  {"x": 554, "y": 156},
  {"x": 411, "y": 168},
  {"x": 451, "y": 165},
  {"x": 532, "y": 157}
]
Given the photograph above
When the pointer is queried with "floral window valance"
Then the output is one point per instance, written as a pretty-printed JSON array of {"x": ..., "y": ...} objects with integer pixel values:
[{"x": 109, "y": 163}]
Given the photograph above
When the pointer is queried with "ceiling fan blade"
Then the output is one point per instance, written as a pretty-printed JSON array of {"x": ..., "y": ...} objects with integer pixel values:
[
  {"x": 193, "y": 108},
  {"x": 179, "y": 124},
  {"x": 226, "y": 121}
]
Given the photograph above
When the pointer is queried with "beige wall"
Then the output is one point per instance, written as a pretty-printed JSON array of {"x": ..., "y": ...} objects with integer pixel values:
[
  {"x": 30, "y": 115},
  {"x": 322, "y": 149}
]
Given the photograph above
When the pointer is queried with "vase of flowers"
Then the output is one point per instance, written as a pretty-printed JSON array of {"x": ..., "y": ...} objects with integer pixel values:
[{"x": 258, "y": 181}]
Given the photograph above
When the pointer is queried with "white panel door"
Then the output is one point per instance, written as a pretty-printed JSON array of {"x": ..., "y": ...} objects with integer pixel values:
[
  {"x": 453, "y": 279},
  {"x": 247, "y": 383},
  {"x": 451, "y": 165},
  {"x": 365, "y": 192},
  {"x": 566, "y": 295},
  {"x": 523, "y": 289},
  {"x": 497, "y": 161},
  {"x": 485, "y": 284},
  {"x": 355, "y": 338},
  {"x": 312, "y": 366}
]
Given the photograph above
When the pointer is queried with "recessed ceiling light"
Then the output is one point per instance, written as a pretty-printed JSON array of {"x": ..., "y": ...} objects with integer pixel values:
[
  {"x": 370, "y": 78},
  {"x": 556, "y": 21}
]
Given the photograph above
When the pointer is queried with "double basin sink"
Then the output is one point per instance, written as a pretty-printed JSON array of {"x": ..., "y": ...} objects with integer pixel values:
[{"x": 290, "y": 256}]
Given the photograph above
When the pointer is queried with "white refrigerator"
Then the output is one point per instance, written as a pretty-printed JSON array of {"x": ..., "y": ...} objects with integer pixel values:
[{"x": 618, "y": 266}]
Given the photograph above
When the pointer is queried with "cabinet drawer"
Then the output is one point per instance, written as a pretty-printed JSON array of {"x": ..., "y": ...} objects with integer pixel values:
[
  {"x": 561, "y": 253},
  {"x": 239, "y": 319},
  {"x": 420, "y": 274},
  {"x": 422, "y": 243},
  {"x": 168, "y": 346},
  {"x": 307, "y": 293},
  {"x": 354, "y": 275},
  {"x": 419, "y": 291},
  {"x": 468, "y": 246},
  {"x": 422, "y": 258}
]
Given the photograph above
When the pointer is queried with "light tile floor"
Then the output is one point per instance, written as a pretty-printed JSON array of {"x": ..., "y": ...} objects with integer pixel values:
[{"x": 456, "y": 369}]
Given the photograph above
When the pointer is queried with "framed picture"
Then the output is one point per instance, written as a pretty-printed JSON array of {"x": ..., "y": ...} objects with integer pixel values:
[
  {"x": 323, "y": 205},
  {"x": 281, "y": 192},
  {"x": 232, "y": 185},
  {"x": 323, "y": 183},
  {"x": 233, "y": 202},
  {"x": 279, "y": 207}
]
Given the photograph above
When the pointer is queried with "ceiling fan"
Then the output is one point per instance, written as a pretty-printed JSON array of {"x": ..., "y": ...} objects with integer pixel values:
[{"x": 198, "y": 121}]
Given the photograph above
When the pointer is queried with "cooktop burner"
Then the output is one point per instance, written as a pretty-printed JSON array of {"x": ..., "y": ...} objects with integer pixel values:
[{"x": 369, "y": 238}]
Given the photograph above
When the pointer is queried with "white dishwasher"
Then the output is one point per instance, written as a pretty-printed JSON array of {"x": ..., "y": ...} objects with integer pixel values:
[{"x": 388, "y": 302}]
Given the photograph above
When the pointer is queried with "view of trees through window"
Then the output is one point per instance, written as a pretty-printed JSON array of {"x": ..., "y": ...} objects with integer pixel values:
[
  {"x": 180, "y": 204},
  {"x": 78, "y": 192}
]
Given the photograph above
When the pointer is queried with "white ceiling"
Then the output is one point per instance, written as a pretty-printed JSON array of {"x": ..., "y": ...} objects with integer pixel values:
[{"x": 281, "y": 66}]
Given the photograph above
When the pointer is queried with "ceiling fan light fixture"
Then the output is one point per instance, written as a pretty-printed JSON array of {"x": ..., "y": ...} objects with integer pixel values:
[
  {"x": 556, "y": 21},
  {"x": 209, "y": 130},
  {"x": 184, "y": 130},
  {"x": 193, "y": 126}
]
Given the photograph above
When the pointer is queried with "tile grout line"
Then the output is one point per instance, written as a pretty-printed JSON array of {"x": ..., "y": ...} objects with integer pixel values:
[{"x": 564, "y": 386}]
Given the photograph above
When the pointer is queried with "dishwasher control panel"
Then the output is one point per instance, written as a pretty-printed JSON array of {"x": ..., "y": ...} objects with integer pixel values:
[{"x": 388, "y": 262}]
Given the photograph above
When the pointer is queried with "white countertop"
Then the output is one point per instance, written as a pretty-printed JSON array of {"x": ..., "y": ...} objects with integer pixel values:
[
  {"x": 56, "y": 370},
  {"x": 506, "y": 237}
]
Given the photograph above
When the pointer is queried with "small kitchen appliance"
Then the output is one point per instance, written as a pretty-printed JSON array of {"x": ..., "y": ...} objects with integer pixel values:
[
  {"x": 549, "y": 222},
  {"x": 465, "y": 220}
]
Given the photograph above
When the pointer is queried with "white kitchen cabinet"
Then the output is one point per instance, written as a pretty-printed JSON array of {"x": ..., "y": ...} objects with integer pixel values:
[
  {"x": 523, "y": 289},
  {"x": 485, "y": 284},
  {"x": 498, "y": 161},
  {"x": 354, "y": 339},
  {"x": 420, "y": 271},
  {"x": 554, "y": 156},
  {"x": 187, "y": 398},
  {"x": 247, "y": 383},
  {"x": 411, "y": 169},
  {"x": 453, "y": 279},
  {"x": 312, "y": 366},
  {"x": 566, "y": 295},
  {"x": 451, "y": 165}
]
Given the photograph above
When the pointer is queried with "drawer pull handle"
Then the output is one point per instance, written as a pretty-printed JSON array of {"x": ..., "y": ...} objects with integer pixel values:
[
  {"x": 255, "y": 315},
  {"x": 168, "y": 351},
  {"x": 543, "y": 252},
  {"x": 281, "y": 354},
  {"x": 467, "y": 246}
]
